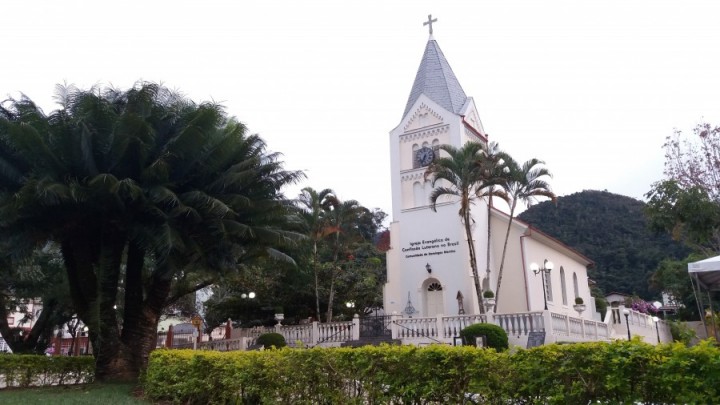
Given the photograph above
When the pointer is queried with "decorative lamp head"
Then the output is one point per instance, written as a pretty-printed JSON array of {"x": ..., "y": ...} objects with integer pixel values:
[{"x": 548, "y": 265}]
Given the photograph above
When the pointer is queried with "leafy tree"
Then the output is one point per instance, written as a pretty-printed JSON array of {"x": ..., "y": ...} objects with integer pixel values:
[
  {"x": 118, "y": 177},
  {"x": 522, "y": 184},
  {"x": 460, "y": 175},
  {"x": 688, "y": 214},
  {"x": 686, "y": 204},
  {"x": 694, "y": 162},
  {"x": 356, "y": 274},
  {"x": 38, "y": 278},
  {"x": 671, "y": 277}
]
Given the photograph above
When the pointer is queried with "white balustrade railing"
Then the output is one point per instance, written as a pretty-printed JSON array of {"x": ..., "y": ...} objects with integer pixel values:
[
  {"x": 521, "y": 323},
  {"x": 413, "y": 328},
  {"x": 442, "y": 329},
  {"x": 559, "y": 324},
  {"x": 577, "y": 327},
  {"x": 297, "y": 335},
  {"x": 638, "y": 324},
  {"x": 335, "y": 332},
  {"x": 452, "y": 325}
]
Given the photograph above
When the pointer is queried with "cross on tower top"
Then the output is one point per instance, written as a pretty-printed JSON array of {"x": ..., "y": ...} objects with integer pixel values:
[{"x": 430, "y": 22}]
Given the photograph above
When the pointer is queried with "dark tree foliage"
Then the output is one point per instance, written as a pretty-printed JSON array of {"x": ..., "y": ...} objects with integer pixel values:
[
  {"x": 38, "y": 278},
  {"x": 150, "y": 196},
  {"x": 359, "y": 278},
  {"x": 611, "y": 230}
]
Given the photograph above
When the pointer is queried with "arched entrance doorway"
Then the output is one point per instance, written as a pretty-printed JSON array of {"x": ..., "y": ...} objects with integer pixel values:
[{"x": 434, "y": 303}]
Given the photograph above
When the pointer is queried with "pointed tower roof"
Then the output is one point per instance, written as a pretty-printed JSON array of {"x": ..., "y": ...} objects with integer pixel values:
[{"x": 436, "y": 80}]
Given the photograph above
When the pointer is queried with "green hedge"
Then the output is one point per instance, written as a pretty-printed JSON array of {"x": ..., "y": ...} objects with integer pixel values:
[
  {"x": 619, "y": 372},
  {"x": 19, "y": 370}
]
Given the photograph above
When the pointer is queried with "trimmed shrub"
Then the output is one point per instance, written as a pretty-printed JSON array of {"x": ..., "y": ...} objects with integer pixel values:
[
  {"x": 495, "y": 335},
  {"x": 621, "y": 372},
  {"x": 272, "y": 339},
  {"x": 28, "y": 370}
]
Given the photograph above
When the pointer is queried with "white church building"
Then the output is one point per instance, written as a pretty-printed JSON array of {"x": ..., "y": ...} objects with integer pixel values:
[{"x": 430, "y": 289}]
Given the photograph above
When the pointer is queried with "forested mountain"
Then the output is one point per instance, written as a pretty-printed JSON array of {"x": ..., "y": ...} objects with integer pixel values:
[{"x": 611, "y": 230}]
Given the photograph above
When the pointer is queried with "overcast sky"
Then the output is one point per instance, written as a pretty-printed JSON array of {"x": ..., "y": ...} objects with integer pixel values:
[{"x": 591, "y": 87}]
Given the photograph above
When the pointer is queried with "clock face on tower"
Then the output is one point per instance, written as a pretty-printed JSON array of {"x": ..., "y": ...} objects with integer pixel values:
[{"x": 424, "y": 156}]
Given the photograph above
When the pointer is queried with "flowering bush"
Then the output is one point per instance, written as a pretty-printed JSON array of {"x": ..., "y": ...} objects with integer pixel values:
[{"x": 643, "y": 306}]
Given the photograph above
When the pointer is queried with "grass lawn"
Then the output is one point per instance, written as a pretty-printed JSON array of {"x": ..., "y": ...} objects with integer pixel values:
[{"x": 81, "y": 394}]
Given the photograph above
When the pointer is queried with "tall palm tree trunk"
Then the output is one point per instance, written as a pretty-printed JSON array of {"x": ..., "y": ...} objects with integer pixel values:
[
  {"x": 502, "y": 258},
  {"x": 114, "y": 360},
  {"x": 487, "y": 269},
  {"x": 317, "y": 288},
  {"x": 333, "y": 271},
  {"x": 331, "y": 297},
  {"x": 141, "y": 316},
  {"x": 142, "y": 338},
  {"x": 473, "y": 261}
]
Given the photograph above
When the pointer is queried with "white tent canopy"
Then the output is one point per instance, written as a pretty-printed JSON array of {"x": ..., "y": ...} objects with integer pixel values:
[
  {"x": 705, "y": 277},
  {"x": 707, "y": 273}
]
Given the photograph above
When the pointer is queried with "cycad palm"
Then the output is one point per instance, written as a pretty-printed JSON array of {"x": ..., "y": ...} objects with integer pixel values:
[
  {"x": 460, "y": 176},
  {"x": 117, "y": 177},
  {"x": 524, "y": 184}
]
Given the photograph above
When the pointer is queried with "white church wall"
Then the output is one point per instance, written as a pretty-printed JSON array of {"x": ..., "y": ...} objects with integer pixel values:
[
  {"x": 428, "y": 238},
  {"x": 512, "y": 297},
  {"x": 537, "y": 251}
]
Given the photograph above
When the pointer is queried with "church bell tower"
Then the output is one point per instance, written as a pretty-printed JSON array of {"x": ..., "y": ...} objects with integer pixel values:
[{"x": 428, "y": 264}]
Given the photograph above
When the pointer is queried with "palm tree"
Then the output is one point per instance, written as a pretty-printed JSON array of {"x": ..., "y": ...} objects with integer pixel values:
[
  {"x": 344, "y": 220},
  {"x": 315, "y": 206},
  {"x": 523, "y": 184},
  {"x": 139, "y": 188},
  {"x": 460, "y": 176}
]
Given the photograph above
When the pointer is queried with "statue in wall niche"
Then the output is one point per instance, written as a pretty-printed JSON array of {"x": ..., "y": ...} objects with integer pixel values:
[{"x": 459, "y": 298}]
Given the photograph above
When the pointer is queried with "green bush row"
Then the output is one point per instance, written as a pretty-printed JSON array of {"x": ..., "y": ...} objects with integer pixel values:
[
  {"x": 619, "y": 372},
  {"x": 19, "y": 370}
]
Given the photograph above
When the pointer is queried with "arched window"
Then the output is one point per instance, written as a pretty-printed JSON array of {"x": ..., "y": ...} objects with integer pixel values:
[
  {"x": 563, "y": 286},
  {"x": 548, "y": 287},
  {"x": 434, "y": 287},
  {"x": 575, "y": 285},
  {"x": 413, "y": 158}
]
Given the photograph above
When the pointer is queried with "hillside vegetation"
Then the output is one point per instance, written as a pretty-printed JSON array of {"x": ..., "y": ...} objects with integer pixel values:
[{"x": 611, "y": 230}]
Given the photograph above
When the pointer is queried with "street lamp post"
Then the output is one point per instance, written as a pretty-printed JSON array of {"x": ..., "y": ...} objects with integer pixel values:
[
  {"x": 626, "y": 312},
  {"x": 657, "y": 328},
  {"x": 545, "y": 269}
]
